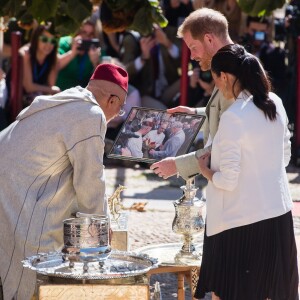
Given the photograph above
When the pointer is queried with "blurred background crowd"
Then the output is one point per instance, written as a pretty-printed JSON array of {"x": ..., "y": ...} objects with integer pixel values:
[{"x": 53, "y": 63}]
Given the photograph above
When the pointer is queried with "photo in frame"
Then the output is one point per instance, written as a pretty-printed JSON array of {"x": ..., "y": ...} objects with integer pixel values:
[{"x": 149, "y": 135}]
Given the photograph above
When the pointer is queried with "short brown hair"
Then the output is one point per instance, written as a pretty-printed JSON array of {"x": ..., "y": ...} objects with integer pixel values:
[{"x": 204, "y": 20}]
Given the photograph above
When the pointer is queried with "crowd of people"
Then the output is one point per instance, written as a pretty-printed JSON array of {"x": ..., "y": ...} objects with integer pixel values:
[{"x": 54, "y": 149}]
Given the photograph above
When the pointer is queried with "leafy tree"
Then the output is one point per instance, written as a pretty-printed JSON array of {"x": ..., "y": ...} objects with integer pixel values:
[
  {"x": 260, "y": 8},
  {"x": 67, "y": 15}
]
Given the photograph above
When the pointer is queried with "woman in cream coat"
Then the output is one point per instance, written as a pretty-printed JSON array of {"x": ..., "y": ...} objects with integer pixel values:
[{"x": 249, "y": 246}]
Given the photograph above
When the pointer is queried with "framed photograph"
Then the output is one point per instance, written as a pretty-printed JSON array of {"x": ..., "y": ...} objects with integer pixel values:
[{"x": 149, "y": 135}]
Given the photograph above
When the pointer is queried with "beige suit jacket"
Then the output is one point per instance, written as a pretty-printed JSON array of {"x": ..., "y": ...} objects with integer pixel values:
[{"x": 187, "y": 165}]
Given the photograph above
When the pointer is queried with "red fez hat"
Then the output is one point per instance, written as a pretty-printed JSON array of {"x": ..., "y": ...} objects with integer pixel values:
[{"x": 112, "y": 73}]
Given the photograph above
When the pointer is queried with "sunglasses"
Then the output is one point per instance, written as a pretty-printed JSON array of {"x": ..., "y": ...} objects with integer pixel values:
[
  {"x": 122, "y": 110},
  {"x": 50, "y": 40}
]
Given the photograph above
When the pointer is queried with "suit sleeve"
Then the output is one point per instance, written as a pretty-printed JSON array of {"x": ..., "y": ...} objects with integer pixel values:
[{"x": 187, "y": 165}]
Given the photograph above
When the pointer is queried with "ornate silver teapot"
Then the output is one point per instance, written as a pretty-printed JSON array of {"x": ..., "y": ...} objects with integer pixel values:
[{"x": 188, "y": 219}]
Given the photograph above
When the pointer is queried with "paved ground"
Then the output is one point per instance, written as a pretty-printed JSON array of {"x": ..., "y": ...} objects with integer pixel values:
[{"x": 154, "y": 226}]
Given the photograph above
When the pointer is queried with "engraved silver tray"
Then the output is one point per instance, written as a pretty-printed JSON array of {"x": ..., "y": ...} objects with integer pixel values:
[{"x": 120, "y": 264}]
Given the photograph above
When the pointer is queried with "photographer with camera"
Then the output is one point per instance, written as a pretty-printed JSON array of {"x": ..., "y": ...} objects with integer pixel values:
[
  {"x": 152, "y": 63},
  {"x": 78, "y": 56},
  {"x": 258, "y": 42},
  {"x": 201, "y": 86}
]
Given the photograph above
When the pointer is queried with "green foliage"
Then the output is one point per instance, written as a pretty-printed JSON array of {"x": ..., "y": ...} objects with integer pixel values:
[
  {"x": 260, "y": 8},
  {"x": 124, "y": 5},
  {"x": 66, "y": 15},
  {"x": 43, "y": 10},
  {"x": 138, "y": 15},
  {"x": 10, "y": 7}
]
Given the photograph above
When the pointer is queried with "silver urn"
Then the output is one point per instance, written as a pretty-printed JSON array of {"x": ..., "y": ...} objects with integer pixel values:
[{"x": 189, "y": 220}]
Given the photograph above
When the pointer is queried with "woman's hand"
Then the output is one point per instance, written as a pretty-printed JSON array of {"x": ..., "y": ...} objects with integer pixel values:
[{"x": 203, "y": 162}]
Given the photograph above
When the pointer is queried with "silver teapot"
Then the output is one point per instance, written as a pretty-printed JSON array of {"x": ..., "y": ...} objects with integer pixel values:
[{"x": 188, "y": 219}]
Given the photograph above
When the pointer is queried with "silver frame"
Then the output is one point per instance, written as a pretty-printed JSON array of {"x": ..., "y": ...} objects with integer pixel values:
[{"x": 137, "y": 115}]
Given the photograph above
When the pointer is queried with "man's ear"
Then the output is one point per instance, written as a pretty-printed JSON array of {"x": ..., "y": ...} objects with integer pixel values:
[
  {"x": 110, "y": 101},
  {"x": 208, "y": 38}
]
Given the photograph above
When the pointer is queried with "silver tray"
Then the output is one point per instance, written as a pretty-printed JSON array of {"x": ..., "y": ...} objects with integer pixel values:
[{"x": 120, "y": 264}]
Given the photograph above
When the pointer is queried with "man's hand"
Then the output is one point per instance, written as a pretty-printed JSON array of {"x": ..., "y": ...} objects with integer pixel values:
[
  {"x": 165, "y": 168},
  {"x": 147, "y": 43},
  {"x": 55, "y": 89},
  {"x": 182, "y": 109},
  {"x": 151, "y": 151},
  {"x": 161, "y": 37}
]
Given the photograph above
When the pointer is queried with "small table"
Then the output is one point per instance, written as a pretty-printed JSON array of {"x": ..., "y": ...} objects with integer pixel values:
[{"x": 167, "y": 263}]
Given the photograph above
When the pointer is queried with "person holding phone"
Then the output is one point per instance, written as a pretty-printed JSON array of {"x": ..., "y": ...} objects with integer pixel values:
[
  {"x": 201, "y": 86},
  {"x": 258, "y": 41},
  {"x": 78, "y": 56}
]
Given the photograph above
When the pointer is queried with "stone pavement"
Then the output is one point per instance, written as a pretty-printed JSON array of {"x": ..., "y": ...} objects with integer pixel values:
[{"x": 154, "y": 226}]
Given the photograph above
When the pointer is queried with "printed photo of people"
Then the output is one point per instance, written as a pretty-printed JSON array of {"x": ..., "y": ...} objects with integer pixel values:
[{"x": 150, "y": 135}]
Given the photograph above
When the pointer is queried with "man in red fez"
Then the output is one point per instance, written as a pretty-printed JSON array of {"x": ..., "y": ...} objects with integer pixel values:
[{"x": 51, "y": 167}]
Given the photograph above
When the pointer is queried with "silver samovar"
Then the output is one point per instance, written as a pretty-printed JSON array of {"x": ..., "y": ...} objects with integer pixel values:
[{"x": 188, "y": 220}]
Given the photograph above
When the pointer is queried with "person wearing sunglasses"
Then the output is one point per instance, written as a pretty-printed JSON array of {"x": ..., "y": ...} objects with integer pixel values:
[
  {"x": 39, "y": 64},
  {"x": 52, "y": 167},
  {"x": 78, "y": 56}
]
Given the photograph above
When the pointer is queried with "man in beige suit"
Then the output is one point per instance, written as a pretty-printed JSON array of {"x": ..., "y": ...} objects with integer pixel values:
[{"x": 204, "y": 31}]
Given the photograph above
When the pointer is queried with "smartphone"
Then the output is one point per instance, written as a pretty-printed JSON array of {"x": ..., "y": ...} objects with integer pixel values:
[
  {"x": 260, "y": 36},
  {"x": 85, "y": 45}
]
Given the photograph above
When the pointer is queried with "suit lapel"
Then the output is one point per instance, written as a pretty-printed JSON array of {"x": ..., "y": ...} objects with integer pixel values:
[{"x": 214, "y": 94}]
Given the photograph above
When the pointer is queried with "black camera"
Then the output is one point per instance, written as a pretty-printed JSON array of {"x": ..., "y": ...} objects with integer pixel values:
[
  {"x": 205, "y": 76},
  {"x": 85, "y": 45}
]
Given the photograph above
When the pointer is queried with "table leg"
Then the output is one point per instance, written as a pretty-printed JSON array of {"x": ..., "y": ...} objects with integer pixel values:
[
  {"x": 192, "y": 276},
  {"x": 180, "y": 279}
]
